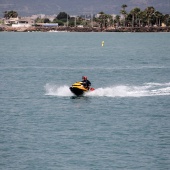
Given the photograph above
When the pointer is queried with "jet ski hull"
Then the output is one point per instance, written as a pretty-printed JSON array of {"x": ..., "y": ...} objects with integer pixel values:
[{"x": 76, "y": 91}]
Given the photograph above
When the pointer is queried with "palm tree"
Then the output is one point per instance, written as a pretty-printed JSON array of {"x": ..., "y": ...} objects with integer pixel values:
[
  {"x": 117, "y": 20},
  {"x": 124, "y": 6},
  {"x": 136, "y": 16},
  {"x": 149, "y": 12},
  {"x": 6, "y": 14},
  {"x": 166, "y": 19},
  {"x": 137, "y": 13},
  {"x": 103, "y": 20},
  {"x": 140, "y": 18},
  {"x": 110, "y": 20},
  {"x": 158, "y": 16},
  {"x": 124, "y": 13},
  {"x": 132, "y": 12}
]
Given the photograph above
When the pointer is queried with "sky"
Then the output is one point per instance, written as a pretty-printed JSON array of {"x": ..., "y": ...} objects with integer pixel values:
[{"x": 77, "y": 7}]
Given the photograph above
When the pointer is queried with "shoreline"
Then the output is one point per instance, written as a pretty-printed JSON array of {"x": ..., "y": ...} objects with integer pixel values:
[{"x": 85, "y": 29}]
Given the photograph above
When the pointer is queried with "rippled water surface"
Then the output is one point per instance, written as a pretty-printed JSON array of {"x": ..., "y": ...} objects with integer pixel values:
[{"x": 123, "y": 124}]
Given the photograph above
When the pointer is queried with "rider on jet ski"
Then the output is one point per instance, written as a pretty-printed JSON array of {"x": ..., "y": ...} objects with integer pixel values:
[{"x": 86, "y": 83}]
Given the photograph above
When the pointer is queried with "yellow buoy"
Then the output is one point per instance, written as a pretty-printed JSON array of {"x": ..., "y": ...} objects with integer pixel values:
[{"x": 102, "y": 43}]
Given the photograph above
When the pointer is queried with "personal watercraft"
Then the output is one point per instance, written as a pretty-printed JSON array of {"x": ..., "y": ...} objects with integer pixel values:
[{"x": 78, "y": 89}]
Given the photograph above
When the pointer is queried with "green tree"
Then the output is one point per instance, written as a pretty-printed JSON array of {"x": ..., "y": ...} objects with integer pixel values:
[
  {"x": 159, "y": 18},
  {"x": 10, "y": 14},
  {"x": 63, "y": 16},
  {"x": 39, "y": 20},
  {"x": 103, "y": 20},
  {"x": 166, "y": 19},
  {"x": 149, "y": 13},
  {"x": 124, "y": 6},
  {"x": 79, "y": 20},
  {"x": 72, "y": 21},
  {"x": 46, "y": 20},
  {"x": 60, "y": 23},
  {"x": 140, "y": 18},
  {"x": 117, "y": 20},
  {"x": 124, "y": 13},
  {"x": 110, "y": 20},
  {"x": 134, "y": 13}
]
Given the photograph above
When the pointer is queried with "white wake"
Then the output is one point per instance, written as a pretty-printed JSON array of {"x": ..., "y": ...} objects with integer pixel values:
[
  {"x": 54, "y": 90},
  {"x": 147, "y": 89}
]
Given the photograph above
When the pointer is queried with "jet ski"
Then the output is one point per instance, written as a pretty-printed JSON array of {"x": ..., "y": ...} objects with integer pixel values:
[{"x": 78, "y": 89}]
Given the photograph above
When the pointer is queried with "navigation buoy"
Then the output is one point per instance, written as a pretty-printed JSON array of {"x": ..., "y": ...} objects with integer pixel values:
[{"x": 102, "y": 43}]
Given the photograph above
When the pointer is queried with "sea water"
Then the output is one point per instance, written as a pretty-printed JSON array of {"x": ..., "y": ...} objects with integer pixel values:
[{"x": 123, "y": 124}]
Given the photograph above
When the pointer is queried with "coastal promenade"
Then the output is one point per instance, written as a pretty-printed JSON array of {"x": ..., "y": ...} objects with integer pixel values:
[{"x": 84, "y": 29}]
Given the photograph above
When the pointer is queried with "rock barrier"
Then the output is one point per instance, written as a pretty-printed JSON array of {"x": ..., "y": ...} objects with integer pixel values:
[{"x": 84, "y": 29}]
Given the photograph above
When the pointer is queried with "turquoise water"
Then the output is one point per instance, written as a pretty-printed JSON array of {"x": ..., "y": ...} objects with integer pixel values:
[{"x": 123, "y": 124}]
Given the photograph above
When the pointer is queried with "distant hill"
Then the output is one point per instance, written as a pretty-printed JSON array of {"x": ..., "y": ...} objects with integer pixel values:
[{"x": 78, "y": 7}]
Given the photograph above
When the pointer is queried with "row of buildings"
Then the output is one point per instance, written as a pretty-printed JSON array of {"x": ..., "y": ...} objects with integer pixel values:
[
  {"x": 31, "y": 21},
  {"x": 26, "y": 21}
]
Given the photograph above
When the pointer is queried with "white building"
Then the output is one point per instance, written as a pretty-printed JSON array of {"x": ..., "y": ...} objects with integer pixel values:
[
  {"x": 23, "y": 23},
  {"x": 19, "y": 22}
]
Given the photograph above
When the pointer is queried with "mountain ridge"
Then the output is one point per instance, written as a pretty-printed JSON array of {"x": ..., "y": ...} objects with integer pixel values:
[{"x": 78, "y": 7}]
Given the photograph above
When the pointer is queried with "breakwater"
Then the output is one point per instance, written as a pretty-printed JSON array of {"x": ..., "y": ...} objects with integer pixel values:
[{"x": 85, "y": 29}]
